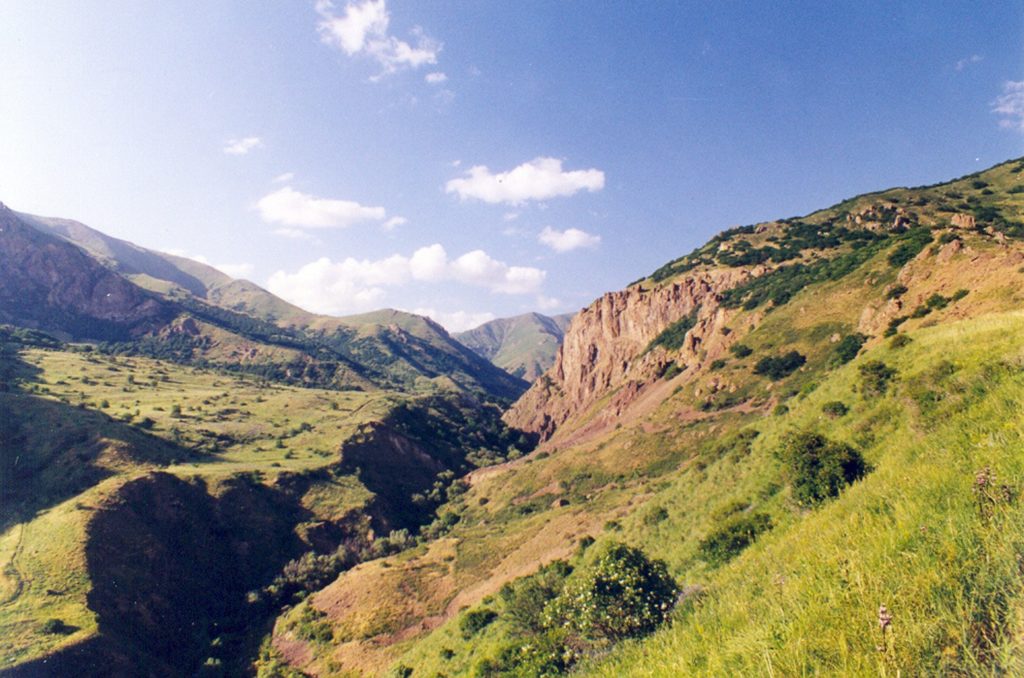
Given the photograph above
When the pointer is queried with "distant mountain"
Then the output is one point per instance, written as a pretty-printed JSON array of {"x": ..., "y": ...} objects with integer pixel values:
[
  {"x": 524, "y": 345},
  {"x": 47, "y": 283},
  {"x": 65, "y": 277}
]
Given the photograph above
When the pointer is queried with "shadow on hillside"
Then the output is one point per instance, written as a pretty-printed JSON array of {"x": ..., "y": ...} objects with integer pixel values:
[{"x": 51, "y": 451}]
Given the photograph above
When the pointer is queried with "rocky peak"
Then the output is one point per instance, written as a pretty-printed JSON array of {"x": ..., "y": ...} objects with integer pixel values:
[{"x": 606, "y": 346}]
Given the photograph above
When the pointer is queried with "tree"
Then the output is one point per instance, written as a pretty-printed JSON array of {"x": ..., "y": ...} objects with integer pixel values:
[{"x": 620, "y": 593}]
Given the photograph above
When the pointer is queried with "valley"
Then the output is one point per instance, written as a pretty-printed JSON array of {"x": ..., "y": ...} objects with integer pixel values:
[{"x": 799, "y": 446}]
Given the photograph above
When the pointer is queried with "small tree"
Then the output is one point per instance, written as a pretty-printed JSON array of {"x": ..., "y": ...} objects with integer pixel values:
[
  {"x": 620, "y": 593},
  {"x": 819, "y": 468},
  {"x": 777, "y": 367},
  {"x": 874, "y": 378}
]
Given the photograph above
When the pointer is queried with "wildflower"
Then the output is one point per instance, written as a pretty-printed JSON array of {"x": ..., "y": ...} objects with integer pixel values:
[{"x": 884, "y": 618}]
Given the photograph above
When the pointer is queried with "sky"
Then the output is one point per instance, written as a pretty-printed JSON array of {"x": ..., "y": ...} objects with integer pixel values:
[{"x": 477, "y": 159}]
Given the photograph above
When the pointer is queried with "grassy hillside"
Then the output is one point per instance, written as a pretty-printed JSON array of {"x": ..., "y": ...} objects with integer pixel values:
[
  {"x": 524, "y": 345},
  {"x": 885, "y": 330},
  {"x": 116, "y": 469}
]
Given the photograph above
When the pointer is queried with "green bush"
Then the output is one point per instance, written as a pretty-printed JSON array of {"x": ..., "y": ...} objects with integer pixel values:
[
  {"x": 819, "y": 468},
  {"x": 729, "y": 539},
  {"x": 525, "y": 599},
  {"x": 57, "y": 627},
  {"x": 896, "y": 291},
  {"x": 619, "y": 594},
  {"x": 673, "y": 336},
  {"x": 875, "y": 377},
  {"x": 912, "y": 243},
  {"x": 475, "y": 621},
  {"x": 848, "y": 348},
  {"x": 777, "y": 367},
  {"x": 899, "y": 341},
  {"x": 835, "y": 409},
  {"x": 741, "y": 350}
]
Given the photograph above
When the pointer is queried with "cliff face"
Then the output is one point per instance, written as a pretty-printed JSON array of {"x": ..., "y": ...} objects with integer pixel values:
[
  {"x": 606, "y": 346},
  {"x": 52, "y": 285}
]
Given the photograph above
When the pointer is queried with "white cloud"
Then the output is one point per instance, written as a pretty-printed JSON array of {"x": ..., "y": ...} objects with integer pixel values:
[
  {"x": 435, "y": 78},
  {"x": 539, "y": 179},
  {"x": 284, "y": 178},
  {"x": 568, "y": 240},
  {"x": 965, "y": 62},
  {"x": 289, "y": 207},
  {"x": 393, "y": 223},
  {"x": 355, "y": 285},
  {"x": 456, "y": 321},
  {"x": 510, "y": 216},
  {"x": 236, "y": 270},
  {"x": 242, "y": 146},
  {"x": 1010, "y": 105},
  {"x": 363, "y": 29},
  {"x": 547, "y": 303}
]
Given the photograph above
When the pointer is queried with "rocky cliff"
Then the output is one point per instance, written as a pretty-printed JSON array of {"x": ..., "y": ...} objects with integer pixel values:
[{"x": 608, "y": 345}]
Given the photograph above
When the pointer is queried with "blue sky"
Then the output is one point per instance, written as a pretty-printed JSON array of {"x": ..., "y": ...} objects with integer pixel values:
[{"x": 481, "y": 159}]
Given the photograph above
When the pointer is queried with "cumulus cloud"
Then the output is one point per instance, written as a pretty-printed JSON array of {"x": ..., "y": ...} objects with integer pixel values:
[
  {"x": 967, "y": 61},
  {"x": 1009, "y": 106},
  {"x": 568, "y": 240},
  {"x": 289, "y": 207},
  {"x": 539, "y": 179},
  {"x": 456, "y": 321},
  {"x": 393, "y": 223},
  {"x": 436, "y": 78},
  {"x": 242, "y": 146},
  {"x": 355, "y": 285},
  {"x": 363, "y": 29},
  {"x": 284, "y": 178}
]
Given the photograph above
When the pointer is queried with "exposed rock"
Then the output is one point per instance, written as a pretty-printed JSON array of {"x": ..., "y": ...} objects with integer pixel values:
[
  {"x": 949, "y": 250},
  {"x": 961, "y": 220},
  {"x": 605, "y": 347}
]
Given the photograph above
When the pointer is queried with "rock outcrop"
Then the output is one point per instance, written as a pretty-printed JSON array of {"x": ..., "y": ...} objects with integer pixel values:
[{"x": 607, "y": 343}]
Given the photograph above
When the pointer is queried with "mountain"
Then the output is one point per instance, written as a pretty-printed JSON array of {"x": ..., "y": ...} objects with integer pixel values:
[
  {"x": 795, "y": 450},
  {"x": 812, "y": 422},
  {"x": 524, "y": 345},
  {"x": 68, "y": 278}
]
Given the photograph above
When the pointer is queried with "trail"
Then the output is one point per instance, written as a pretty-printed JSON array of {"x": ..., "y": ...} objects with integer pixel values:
[{"x": 11, "y": 569}]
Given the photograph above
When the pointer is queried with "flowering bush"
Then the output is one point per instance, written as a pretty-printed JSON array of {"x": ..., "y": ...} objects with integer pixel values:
[{"x": 619, "y": 594}]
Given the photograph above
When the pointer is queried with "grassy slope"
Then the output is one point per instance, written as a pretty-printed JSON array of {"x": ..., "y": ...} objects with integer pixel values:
[
  {"x": 42, "y": 571},
  {"x": 676, "y": 455},
  {"x": 524, "y": 345}
]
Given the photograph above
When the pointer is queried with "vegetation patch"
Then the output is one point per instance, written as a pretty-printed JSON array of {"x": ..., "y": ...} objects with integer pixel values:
[{"x": 819, "y": 468}]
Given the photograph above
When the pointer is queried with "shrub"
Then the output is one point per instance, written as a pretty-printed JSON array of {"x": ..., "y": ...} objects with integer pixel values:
[
  {"x": 729, "y": 539},
  {"x": 848, "y": 348},
  {"x": 875, "y": 377},
  {"x": 835, "y": 409},
  {"x": 526, "y": 598},
  {"x": 741, "y": 350},
  {"x": 717, "y": 364},
  {"x": 673, "y": 336},
  {"x": 777, "y": 367},
  {"x": 896, "y": 291},
  {"x": 57, "y": 627},
  {"x": 656, "y": 515},
  {"x": 619, "y": 594},
  {"x": 819, "y": 468},
  {"x": 475, "y": 621},
  {"x": 960, "y": 294},
  {"x": 915, "y": 240},
  {"x": 899, "y": 341}
]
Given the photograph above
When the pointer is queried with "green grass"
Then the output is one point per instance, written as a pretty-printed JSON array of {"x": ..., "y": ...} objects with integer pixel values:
[{"x": 804, "y": 599}]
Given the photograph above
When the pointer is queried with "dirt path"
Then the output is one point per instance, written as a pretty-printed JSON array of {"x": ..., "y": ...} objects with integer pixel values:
[{"x": 11, "y": 569}]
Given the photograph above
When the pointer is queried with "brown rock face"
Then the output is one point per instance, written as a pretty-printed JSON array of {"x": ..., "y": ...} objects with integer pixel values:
[
  {"x": 606, "y": 346},
  {"x": 52, "y": 285},
  {"x": 965, "y": 221}
]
